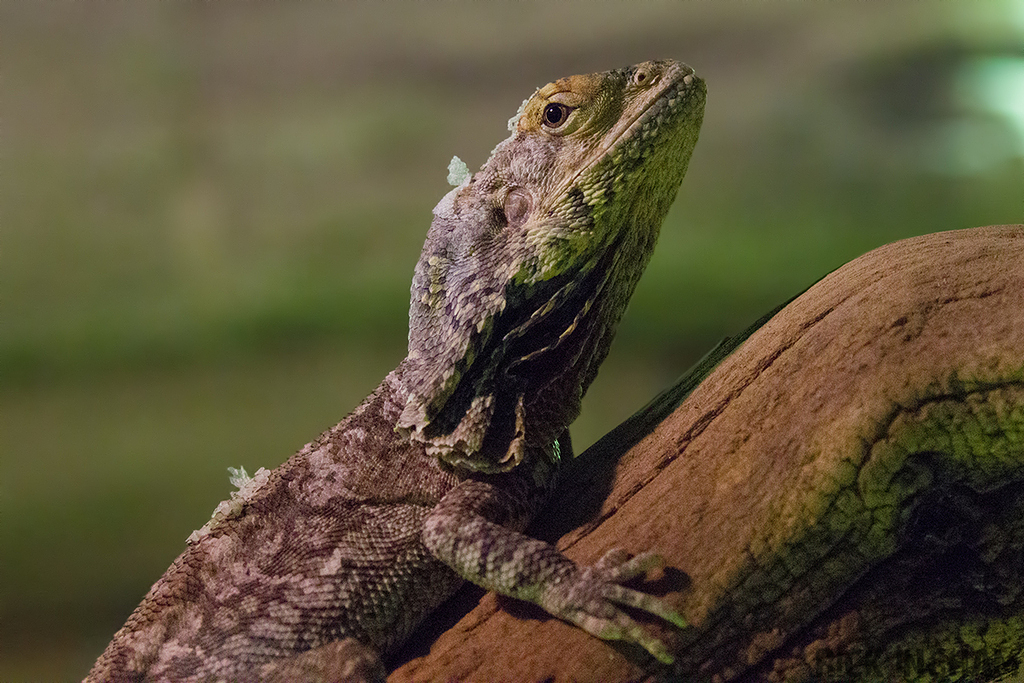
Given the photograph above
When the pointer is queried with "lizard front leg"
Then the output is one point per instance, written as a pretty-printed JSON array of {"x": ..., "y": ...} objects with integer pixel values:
[{"x": 475, "y": 531}]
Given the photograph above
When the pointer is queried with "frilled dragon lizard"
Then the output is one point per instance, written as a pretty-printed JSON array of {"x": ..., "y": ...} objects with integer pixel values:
[{"x": 316, "y": 570}]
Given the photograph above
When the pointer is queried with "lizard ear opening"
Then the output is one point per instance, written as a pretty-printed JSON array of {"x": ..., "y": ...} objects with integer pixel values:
[{"x": 518, "y": 204}]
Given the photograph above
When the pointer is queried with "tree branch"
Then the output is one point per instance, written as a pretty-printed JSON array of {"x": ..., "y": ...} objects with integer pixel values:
[{"x": 842, "y": 496}]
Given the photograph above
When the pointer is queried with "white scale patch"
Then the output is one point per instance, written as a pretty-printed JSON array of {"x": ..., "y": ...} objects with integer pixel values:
[
  {"x": 230, "y": 508},
  {"x": 514, "y": 121},
  {"x": 458, "y": 172}
]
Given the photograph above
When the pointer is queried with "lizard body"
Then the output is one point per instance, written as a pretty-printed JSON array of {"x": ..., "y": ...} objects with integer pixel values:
[{"x": 333, "y": 558}]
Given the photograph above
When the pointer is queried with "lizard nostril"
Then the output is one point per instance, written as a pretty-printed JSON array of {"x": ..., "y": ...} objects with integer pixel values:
[{"x": 645, "y": 77}]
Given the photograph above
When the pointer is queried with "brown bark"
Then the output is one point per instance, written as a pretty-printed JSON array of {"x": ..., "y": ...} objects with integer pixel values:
[{"x": 842, "y": 497}]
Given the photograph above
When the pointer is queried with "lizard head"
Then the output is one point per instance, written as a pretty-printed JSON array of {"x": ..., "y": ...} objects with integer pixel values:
[{"x": 529, "y": 263}]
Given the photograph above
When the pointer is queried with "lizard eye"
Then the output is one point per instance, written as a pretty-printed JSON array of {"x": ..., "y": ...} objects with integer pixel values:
[{"x": 555, "y": 114}]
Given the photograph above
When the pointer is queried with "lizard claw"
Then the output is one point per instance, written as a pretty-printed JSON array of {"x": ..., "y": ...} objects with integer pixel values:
[{"x": 590, "y": 598}]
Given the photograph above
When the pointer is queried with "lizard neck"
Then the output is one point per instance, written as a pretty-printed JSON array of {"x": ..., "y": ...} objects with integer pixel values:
[
  {"x": 538, "y": 470},
  {"x": 529, "y": 263}
]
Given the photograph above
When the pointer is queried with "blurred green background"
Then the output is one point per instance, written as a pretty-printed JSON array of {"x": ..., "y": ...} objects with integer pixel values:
[{"x": 211, "y": 212}]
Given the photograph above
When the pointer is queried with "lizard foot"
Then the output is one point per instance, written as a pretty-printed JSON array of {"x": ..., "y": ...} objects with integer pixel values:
[{"x": 590, "y": 598}]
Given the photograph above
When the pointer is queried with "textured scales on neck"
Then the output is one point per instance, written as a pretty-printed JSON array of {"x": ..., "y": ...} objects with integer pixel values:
[{"x": 529, "y": 265}]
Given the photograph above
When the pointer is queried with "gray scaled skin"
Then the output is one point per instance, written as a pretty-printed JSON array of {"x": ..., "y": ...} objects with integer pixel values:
[{"x": 317, "y": 569}]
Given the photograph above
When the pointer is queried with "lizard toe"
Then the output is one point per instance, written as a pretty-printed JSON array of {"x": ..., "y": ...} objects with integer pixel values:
[{"x": 592, "y": 598}]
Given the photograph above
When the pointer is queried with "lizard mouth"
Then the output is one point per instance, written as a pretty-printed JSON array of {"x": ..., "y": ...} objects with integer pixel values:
[
  {"x": 664, "y": 103},
  {"x": 627, "y": 140}
]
